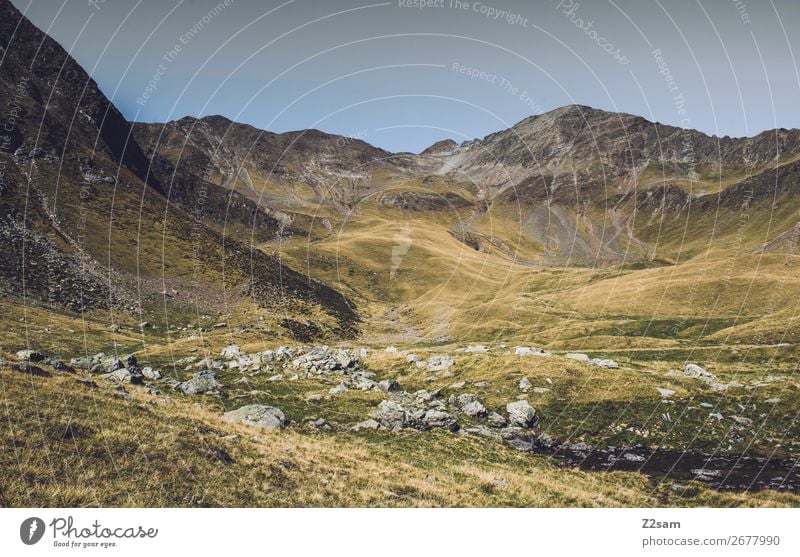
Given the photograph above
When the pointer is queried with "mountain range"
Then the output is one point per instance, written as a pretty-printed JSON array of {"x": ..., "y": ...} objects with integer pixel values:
[{"x": 576, "y": 222}]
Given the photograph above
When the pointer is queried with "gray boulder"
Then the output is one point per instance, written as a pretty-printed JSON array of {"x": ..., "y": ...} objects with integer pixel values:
[
  {"x": 390, "y": 415},
  {"x": 151, "y": 374},
  {"x": 440, "y": 363},
  {"x": 201, "y": 382},
  {"x": 257, "y": 415},
  {"x": 497, "y": 420},
  {"x": 601, "y": 362},
  {"x": 469, "y": 405},
  {"x": 30, "y": 356},
  {"x": 439, "y": 418},
  {"x": 521, "y": 414},
  {"x": 389, "y": 385},
  {"x": 231, "y": 351}
]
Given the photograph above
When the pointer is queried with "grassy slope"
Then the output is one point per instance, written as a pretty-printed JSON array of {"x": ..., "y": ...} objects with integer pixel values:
[{"x": 68, "y": 445}]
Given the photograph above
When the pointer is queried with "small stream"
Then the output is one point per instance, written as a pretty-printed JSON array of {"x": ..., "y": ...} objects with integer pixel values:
[{"x": 723, "y": 472}]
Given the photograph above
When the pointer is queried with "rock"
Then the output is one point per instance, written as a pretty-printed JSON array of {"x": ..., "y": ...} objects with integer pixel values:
[
  {"x": 87, "y": 382},
  {"x": 30, "y": 369},
  {"x": 150, "y": 373},
  {"x": 665, "y": 393},
  {"x": 145, "y": 325},
  {"x": 439, "y": 418},
  {"x": 524, "y": 384},
  {"x": 697, "y": 372},
  {"x": 276, "y": 377},
  {"x": 480, "y": 384},
  {"x": 131, "y": 375},
  {"x": 201, "y": 382},
  {"x": 130, "y": 361},
  {"x": 338, "y": 389},
  {"x": 541, "y": 390},
  {"x": 440, "y": 363},
  {"x": 322, "y": 360},
  {"x": 257, "y": 415},
  {"x": 390, "y": 415},
  {"x": 600, "y": 362},
  {"x": 475, "y": 348},
  {"x": 365, "y": 384},
  {"x": 716, "y": 415},
  {"x": 772, "y": 400},
  {"x": 577, "y": 356},
  {"x": 742, "y": 421},
  {"x": 411, "y": 358},
  {"x": 231, "y": 351},
  {"x": 110, "y": 364},
  {"x": 521, "y": 414},
  {"x": 389, "y": 385},
  {"x": 390, "y": 350},
  {"x": 369, "y": 424},
  {"x": 469, "y": 405},
  {"x": 458, "y": 385},
  {"x": 497, "y": 420},
  {"x": 529, "y": 351},
  {"x": 631, "y": 457},
  {"x": 57, "y": 364},
  {"x": 30, "y": 356},
  {"x": 314, "y": 398}
]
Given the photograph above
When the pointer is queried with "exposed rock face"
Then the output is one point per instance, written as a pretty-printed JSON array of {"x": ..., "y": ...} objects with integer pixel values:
[{"x": 257, "y": 415}]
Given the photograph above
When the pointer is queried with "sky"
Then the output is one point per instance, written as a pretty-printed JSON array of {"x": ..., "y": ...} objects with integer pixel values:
[{"x": 404, "y": 74}]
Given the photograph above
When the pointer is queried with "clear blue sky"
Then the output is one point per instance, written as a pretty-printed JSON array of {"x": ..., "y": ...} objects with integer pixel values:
[{"x": 394, "y": 75}]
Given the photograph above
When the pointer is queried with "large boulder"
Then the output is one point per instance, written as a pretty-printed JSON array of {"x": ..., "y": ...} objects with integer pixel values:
[
  {"x": 439, "y": 418},
  {"x": 201, "y": 382},
  {"x": 469, "y": 405},
  {"x": 390, "y": 415},
  {"x": 257, "y": 415},
  {"x": 30, "y": 356},
  {"x": 521, "y": 414},
  {"x": 697, "y": 372},
  {"x": 131, "y": 375}
]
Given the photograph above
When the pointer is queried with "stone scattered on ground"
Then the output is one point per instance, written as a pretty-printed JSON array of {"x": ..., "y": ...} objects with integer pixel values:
[
  {"x": 529, "y": 351},
  {"x": 524, "y": 384},
  {"x": 257, "y": 415},
  {"x": 665, "y": 393},
  {"x": 577, "y": 356},
  {"x": 440, "y": 363},
  {"x": 603, "y": 363}
]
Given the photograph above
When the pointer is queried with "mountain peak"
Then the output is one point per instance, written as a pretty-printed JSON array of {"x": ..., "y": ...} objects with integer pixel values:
[{"x": 443, "y": 147}]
